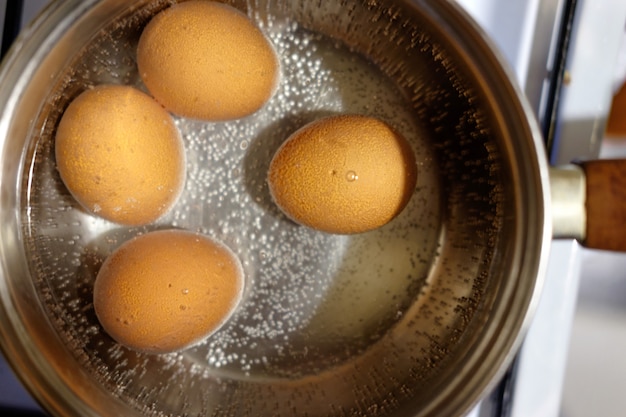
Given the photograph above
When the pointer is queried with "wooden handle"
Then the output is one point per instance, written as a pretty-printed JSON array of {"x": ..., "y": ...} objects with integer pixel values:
[{"x": 606, "y": 204}]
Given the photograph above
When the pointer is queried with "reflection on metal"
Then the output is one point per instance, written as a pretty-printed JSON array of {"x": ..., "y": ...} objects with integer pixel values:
[{"x": 567, "y": 189}]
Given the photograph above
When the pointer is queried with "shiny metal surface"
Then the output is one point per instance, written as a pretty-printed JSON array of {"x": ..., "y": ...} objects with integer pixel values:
[
  {"x": 444, "y": 293},
  {"x": 568, "y": 195}
]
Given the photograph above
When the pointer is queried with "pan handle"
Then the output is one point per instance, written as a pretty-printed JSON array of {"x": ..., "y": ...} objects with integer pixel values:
[
  {"x": 605, "y": 204},
  {"x": 589, "y": 203}
]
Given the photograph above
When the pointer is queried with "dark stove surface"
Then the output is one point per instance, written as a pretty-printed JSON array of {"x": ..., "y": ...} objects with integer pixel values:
[{"x": 14, "y": 399}]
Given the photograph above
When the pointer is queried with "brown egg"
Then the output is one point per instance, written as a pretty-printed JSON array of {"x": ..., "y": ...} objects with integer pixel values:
[
  {"x": 207, "y": 60},
  {"x": 120, "y": 155},
  {"x": 343, "y": 174},
  {"x": 167, "y": 290}
]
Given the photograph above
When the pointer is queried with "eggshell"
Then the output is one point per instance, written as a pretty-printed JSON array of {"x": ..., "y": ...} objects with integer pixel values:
[
  {"x": 207, "y": 60},
  {"x": 167, "y": 290},
  {"x": 343, "y": 174},
  {"x": 120, "y": 155}
]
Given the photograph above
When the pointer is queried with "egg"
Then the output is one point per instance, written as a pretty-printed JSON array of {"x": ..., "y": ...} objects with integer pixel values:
[
  {"x": 343, "y": 174},
  {"x": 120, "y": 155},
  {"x": 207, "y": 60},
  {"x": 167, "y": 290}
]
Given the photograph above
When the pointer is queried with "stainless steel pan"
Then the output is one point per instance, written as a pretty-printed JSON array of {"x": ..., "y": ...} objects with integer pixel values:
[{"x": 418, "y": 318}]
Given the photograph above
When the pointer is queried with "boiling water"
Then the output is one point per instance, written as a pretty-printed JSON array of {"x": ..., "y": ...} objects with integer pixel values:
[{"x": 313, "y": 301}]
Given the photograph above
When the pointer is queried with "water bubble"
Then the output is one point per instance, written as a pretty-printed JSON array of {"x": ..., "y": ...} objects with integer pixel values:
[{"x": 351, "y": 176}]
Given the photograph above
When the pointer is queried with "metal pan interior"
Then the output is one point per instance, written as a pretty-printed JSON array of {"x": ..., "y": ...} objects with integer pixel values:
[{"x": 388, "y": 322}]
